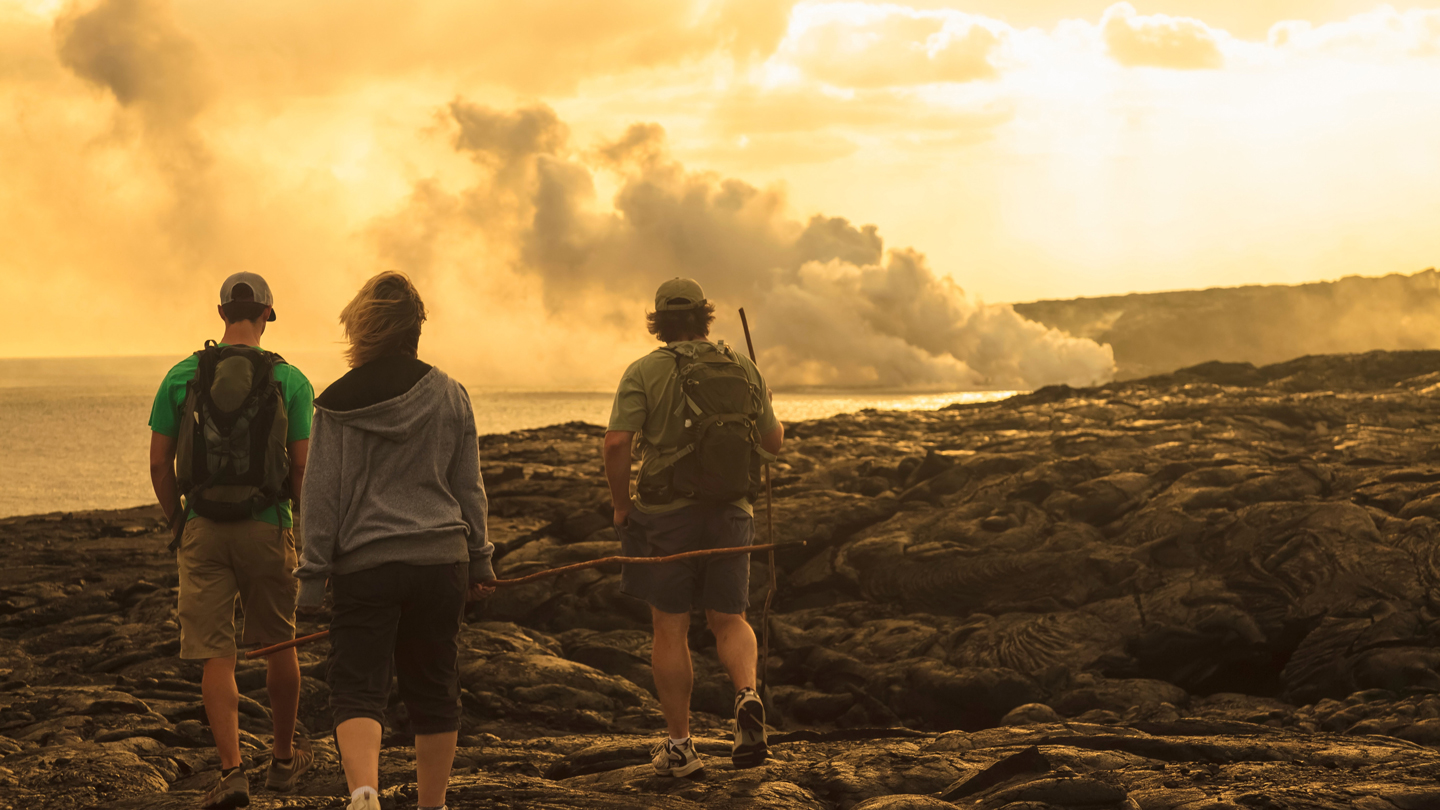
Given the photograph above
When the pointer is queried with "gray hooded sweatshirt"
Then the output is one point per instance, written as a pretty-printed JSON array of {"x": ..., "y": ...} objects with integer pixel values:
[{"x": 394, "y": 481}]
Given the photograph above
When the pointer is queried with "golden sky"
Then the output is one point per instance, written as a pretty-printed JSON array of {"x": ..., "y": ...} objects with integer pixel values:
[{"x": 1020, "y": 149}]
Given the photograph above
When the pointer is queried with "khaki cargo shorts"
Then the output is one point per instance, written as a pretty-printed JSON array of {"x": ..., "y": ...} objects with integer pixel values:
[{"x": 219, "y": 562}]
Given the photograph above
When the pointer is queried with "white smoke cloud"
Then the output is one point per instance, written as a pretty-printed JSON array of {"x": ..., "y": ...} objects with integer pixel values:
[
  {"x": 833, "y": 307},
  {"x": 135, "y": 50}
]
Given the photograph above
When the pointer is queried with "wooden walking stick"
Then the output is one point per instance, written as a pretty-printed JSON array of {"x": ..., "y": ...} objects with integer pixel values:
[
  {"x": 769, "y": 546},
  {"x": 538, "y": 575},
  {"x": 769, "y": 538}
]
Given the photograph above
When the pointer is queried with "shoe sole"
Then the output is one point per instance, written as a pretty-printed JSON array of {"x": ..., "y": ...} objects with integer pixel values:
[
  {"x": 750, "y": 720},
  {"x": 684, "y": 770},
  {"x": 240, "y": 800}
]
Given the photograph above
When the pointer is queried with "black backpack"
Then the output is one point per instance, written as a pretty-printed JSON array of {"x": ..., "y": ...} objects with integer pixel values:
[
  {"x": 231, "y": 459},
  {"x": 720, "y": 457}
]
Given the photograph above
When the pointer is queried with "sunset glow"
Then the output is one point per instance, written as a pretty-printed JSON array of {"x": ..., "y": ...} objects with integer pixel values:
[{"x": 1028, "y": 150}]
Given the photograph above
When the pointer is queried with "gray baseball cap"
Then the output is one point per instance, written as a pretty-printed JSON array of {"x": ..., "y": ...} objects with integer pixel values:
[
  {"x": 679, "y": 293},
  {"x": 257, "y": 285}
]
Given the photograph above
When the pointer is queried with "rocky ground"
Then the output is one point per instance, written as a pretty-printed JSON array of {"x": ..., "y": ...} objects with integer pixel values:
[{"x": 1214, "y": 589}]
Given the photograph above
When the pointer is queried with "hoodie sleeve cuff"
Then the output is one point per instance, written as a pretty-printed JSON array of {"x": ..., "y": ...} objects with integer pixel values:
[
  {"x": 312, "y": 592},
  {"x": 481, "y": 571}
]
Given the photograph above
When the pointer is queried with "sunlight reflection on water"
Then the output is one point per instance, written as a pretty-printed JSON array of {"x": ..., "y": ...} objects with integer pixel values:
[{"x": 74, "y": 434}]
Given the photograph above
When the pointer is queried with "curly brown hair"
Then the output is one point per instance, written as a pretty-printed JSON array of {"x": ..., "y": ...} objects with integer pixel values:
[
  {"x": 670, "y": 325},
  {"x": 383, "y": 319}
]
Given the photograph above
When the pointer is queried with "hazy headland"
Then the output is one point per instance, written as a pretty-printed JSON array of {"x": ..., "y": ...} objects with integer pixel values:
[{"x": 1153, "y": 333}]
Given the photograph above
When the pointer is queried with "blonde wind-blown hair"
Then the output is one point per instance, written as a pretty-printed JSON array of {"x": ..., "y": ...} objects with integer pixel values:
[{"x": 383, "y": 319}]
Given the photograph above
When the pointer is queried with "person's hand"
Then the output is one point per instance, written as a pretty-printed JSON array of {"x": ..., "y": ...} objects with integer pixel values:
[
  {"x": 480, "y": 590},
  {"x": 312, "y": 613},
  {"x": 622, "y": 513}
]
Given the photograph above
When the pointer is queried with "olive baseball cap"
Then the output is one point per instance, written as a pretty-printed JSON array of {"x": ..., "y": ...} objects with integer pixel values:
[
  {"x": 679, "y": 293},
  {"x": 257, "y": 286}
]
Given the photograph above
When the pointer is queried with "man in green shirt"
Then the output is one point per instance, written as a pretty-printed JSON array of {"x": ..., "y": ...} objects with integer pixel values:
[
  {"x": 650, "y": 406},
  {"x": 249, "y": 559}
]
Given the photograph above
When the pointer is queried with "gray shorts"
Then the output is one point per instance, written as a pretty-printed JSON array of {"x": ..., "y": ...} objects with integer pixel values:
[{"x": 721, "y": 584}]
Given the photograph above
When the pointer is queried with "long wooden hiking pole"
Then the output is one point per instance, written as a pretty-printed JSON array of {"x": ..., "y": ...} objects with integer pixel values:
[
  {"x": 769, "y": 539},
  {"x": 538, "y": 575}
]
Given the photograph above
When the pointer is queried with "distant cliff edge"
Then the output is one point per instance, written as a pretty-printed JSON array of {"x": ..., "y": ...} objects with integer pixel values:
[{"x": 1156, "y": 333}]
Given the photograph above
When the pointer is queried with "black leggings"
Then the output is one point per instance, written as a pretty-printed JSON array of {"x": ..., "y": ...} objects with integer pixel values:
[{"x": 403, "y": 620}]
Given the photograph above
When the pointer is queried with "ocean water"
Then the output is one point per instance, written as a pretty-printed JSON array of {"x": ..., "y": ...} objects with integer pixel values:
[{"x": 74, "y": 432}]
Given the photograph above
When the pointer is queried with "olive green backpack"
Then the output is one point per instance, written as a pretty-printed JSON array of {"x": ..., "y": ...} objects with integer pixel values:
[
  {"x": 720, "y": 457},
  {"x": 231, "y": 459}
]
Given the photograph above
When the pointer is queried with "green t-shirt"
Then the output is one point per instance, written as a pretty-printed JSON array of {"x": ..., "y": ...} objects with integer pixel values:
[
  {"x": 298, "y": 394},
  {"x": 645, "y": 405}
]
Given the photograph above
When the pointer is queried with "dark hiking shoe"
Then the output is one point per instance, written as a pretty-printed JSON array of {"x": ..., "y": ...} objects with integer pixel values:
[
  {"x": 673, "y": 760},
  {"x": 750, "y": 748},
  {"x": 281, "y": 776},
  {"x": 229, "y": 791}
]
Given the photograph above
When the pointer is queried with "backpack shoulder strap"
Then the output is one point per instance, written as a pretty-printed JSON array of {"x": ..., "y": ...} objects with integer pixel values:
[
  {"x": 682, "y": 360},
  {"x": 205, "y": 365},
  {"x": 210, "y": 349}
]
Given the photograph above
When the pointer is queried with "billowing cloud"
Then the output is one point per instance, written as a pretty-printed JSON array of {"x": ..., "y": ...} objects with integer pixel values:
[
  {"x": 865, "y": 46},
  {"x": 148, "y": 147},
  {"x": 837, "y": 309},
  {"x": 134, "y": 50},
  {"x": 1159, "y": 41},
  {"x": 535, "y": 46},
  {"x": 1383, "y": 34}
]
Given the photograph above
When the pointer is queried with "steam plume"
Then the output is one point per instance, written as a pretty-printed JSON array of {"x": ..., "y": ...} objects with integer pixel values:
[
  {"x": 836, "y": 309},
  {"x": 135, "y": 50}
]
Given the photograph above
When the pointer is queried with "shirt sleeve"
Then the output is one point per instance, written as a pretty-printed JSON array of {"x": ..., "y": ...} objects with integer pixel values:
[
  {"x": 165, "y": 412},
  {"x": 469, "y": 490},
  {"x": 299, "y": 405},
  {"x": 768, "y": 420},
  {"x": 630, "y": 408},
  {"x": 320, "y": 512}
]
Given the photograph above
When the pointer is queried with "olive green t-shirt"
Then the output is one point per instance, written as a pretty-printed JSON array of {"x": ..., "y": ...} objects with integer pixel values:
[
  {"x": 645, "y": 404},
  {"x": 295, "y": 390}
]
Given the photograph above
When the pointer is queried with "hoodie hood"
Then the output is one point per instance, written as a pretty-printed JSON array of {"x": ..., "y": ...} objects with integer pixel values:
[{"x": 399, "y": 417}]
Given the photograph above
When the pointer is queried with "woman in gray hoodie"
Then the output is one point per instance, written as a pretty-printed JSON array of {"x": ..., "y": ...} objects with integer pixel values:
[{"x": 394, "y": 517}]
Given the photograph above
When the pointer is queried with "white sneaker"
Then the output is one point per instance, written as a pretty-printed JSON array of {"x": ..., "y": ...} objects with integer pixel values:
[
  {"x": 368, "y": 801},
  {"x": 676, "y": 760}
]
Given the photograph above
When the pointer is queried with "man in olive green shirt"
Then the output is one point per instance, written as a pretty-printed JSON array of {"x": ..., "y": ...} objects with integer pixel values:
[
  {"x": 249, "y": 559},
  {"x": 648, "y": 405}
]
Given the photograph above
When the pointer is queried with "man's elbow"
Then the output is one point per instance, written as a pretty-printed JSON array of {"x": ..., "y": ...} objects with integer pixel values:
[
  {"x": 772, "y": 441},
  {"x": 617, "y": 441}
]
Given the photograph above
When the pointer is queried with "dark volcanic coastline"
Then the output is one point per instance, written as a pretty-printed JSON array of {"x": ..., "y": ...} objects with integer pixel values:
[
  {"x": 1155, "y": 332},
  {"x": 1218, "y": 588}
]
